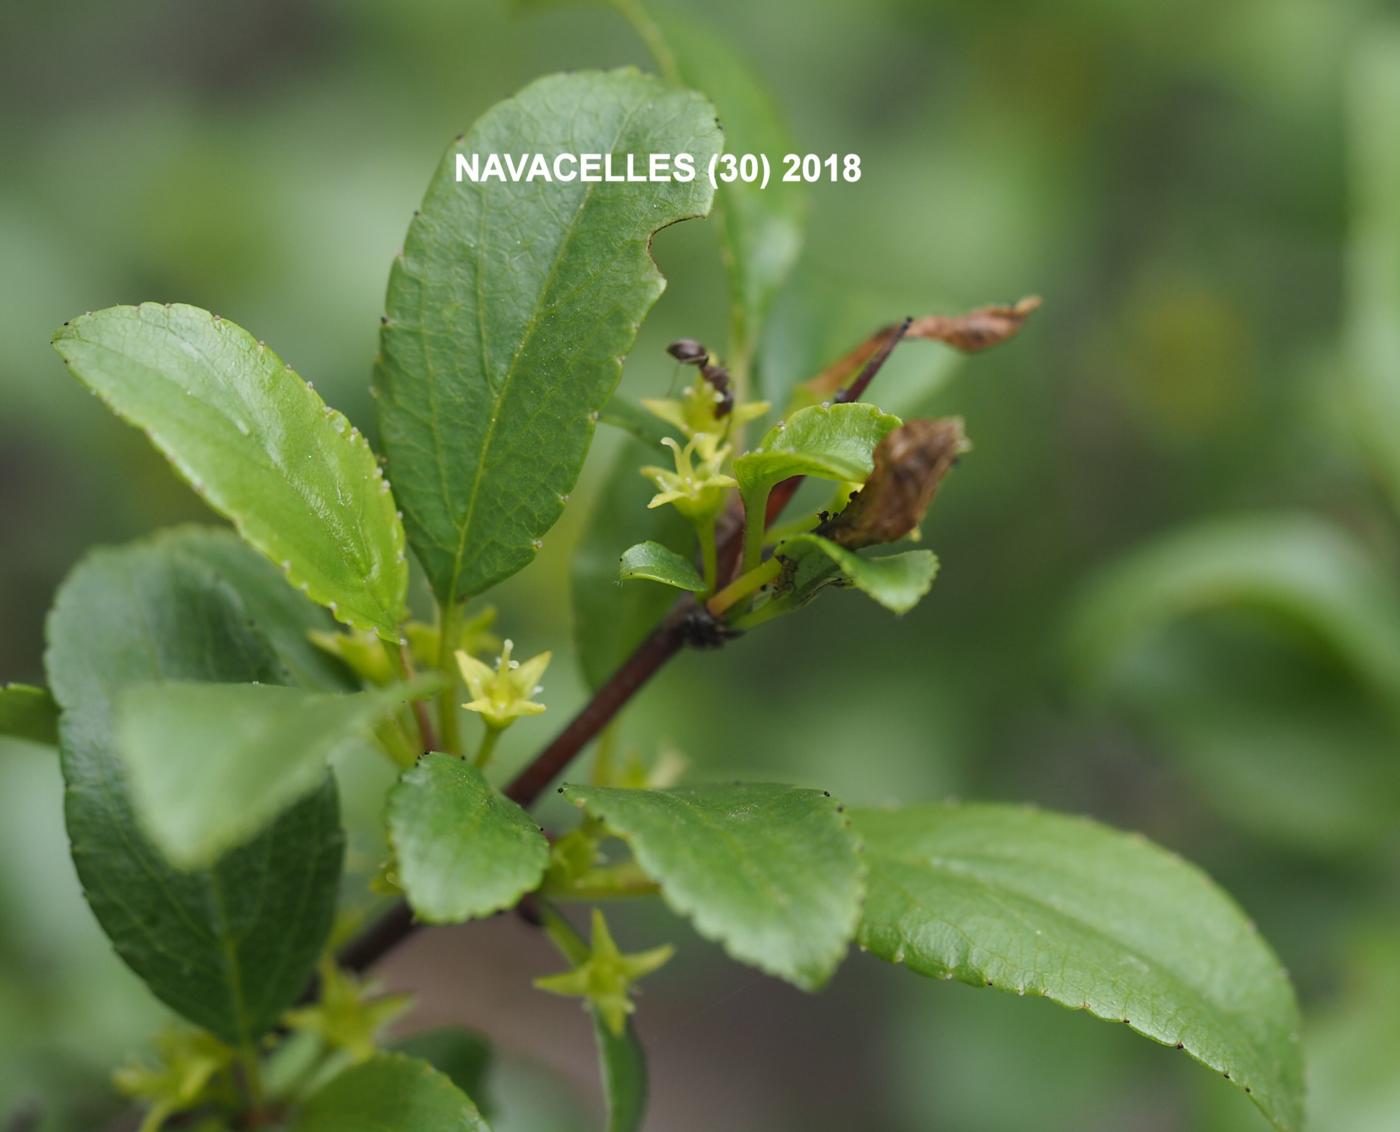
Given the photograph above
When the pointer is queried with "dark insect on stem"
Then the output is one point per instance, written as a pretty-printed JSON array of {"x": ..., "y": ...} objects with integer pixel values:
[{"x": 689, "y": 352}]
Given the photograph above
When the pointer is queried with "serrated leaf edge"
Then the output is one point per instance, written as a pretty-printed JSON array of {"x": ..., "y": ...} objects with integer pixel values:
[
  {"x": 709, "y": 930},
  {"x": 350, "y": 432}
]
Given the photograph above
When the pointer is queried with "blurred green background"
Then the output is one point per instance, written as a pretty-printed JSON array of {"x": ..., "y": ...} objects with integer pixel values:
[{"x": 1208, "y": 198}]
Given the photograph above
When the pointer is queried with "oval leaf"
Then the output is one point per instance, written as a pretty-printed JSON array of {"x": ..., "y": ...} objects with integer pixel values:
[
  {"x": 230, "y": 947},
  {"x": 210, "y": 765},
  {"x": 769, "y": 871},
  {"x": 896, "y": 581},
  {"x": 463, "y": 849},
  {"x": 1092, "y": 919},
  {"x": 508, "y": 312},
  {"x": 657, "y": 563},
  {"x": 835, "y": 442},
  {"x": 29, "y": 713},
  {"x": 389, "y": 1091},
  {"x": 300, "y": 484}
]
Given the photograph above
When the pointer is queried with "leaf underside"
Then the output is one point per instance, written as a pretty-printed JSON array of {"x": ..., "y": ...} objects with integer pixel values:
[
  {"x": 1092, "y": 919},
  {"x": 228, "y": 947},
  {"x": 769, "y": 871},
  {"x": 508, "y": 313},
  {"x": 258, "y": 444}
]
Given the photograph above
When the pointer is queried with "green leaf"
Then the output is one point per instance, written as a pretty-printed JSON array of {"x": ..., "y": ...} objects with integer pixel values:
[
  {"x": 896, "y": 581},
  {"x": 283, "y": 613},
  {"x": 761, "y": 228},
  {"x": 1092, "y": 919},
  {"x": 611, "y": 620},
  {"x": 835, "y": 442},
  {"x": 1292, "y": 566},
  {"x": 27, "y": 712},
  {"x": 463, "y": 1055},
  {"x": 509, "y": 310},
  {"x": 463, "y": 850},
  {"x": 1373, "y": 307},
  {"x": 210, "y": 765},
  {"x": 769, "y": 871},
  {"x": 389, "y": 1093},
  {"x": 229, "y": 947},
  {"x": 657, "y": 563},
  {"x": 300, "y": 484}
]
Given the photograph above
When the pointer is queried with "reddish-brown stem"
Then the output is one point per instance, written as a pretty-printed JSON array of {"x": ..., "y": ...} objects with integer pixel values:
[
  {"x": 664, "y": 642},
  {"x": 660, "y": 645},
  {"x": 856, "y": 390}
]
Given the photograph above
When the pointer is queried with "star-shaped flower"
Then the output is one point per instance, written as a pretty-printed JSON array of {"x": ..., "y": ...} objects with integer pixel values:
[
  {"x": 505, "y": 692},
  {"x": 349, "y": 1015},
  {"x": 186, "y": 1061},
  {"x": 696, "y": 490},
  {"x": 604, "y": 978},
  {"x": 697, "y": 411}
]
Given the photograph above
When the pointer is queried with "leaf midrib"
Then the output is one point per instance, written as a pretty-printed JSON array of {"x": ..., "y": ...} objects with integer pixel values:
[{"x": 499, "y": 394}]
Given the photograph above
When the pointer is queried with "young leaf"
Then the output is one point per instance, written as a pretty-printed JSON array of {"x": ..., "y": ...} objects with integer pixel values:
[
  {"x": 1294, "y": 566},
  {"x": 834, "y": 442},
  {"x": 29, "y": 713},
  {"x": 510, "y": 308},
  {"x": 1092, "y": 919},
  {"x": 1372, "y": 324},
  {"x": 769, "y": 871},
  {"x": 210, "y": 765},
  {"x": 896, "y": 581},
  {"x": 611, "y": 620},
  {"x": 229, "y": 947},
  {"x": 657, "y": 563},
  {"x": 300, "y": 484},
  {"x": 389, "y": 1091},
  {"x": 463, "y": 850}
]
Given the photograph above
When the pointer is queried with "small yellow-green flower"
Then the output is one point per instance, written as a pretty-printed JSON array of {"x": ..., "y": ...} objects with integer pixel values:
[
  {"x": 505, "y": 692},
  {"x": 349, "y": 1015},
  {"x": 695, "y": 488},
  {"x": 186, "y": 1061},
  {"x": 604, "y": 979},
  {"x": 697, "y": 411}
]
